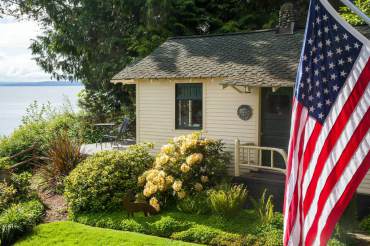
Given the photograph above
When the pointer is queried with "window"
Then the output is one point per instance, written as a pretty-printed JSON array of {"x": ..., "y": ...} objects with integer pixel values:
[
  {"x": 279, "y": 104},
  {"x": 189, "y": 113}
]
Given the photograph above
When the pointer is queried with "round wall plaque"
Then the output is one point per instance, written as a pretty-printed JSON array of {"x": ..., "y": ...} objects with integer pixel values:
[{"x": 245, "y": 112}]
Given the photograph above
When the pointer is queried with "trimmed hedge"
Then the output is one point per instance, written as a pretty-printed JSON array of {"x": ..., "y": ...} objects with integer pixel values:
[
  {"x": 19, "y": 218},
  {"x": 101, "y": 181}
]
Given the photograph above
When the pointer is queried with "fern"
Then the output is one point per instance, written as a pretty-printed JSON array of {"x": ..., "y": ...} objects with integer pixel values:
[{"x": 228, "y": 200}]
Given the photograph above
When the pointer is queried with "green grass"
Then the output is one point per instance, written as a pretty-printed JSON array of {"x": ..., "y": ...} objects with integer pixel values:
[{"x": 71, "y": 233}]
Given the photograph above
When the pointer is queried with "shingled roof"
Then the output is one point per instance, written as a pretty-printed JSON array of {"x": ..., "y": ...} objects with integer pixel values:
[{"x": 260, "y": 58}]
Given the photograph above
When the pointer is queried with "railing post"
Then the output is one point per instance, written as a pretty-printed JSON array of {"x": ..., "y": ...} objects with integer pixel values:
[
  {"x": 248, "y": 156},
  {"x": 260, "y": 156},
  {"x": 272, "y": 158},
  {"x": 237, "y": 158}
]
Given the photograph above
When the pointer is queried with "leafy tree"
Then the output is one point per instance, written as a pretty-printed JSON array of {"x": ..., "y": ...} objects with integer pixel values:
[{"x": 91, "y": 40}]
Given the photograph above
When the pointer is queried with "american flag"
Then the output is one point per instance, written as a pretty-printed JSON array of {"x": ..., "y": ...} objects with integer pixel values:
[{"x": 330, "y": 139}]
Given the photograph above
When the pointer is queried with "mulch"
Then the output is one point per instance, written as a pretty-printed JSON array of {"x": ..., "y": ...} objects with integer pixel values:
[{"x": 56, "y": 207}]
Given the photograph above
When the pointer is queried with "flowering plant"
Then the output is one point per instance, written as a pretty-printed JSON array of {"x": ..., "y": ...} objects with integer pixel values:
[{"x": 186, "y": 165}]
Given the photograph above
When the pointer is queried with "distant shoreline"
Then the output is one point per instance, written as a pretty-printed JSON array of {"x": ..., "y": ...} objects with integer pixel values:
[{"x": 43, "y": 83}]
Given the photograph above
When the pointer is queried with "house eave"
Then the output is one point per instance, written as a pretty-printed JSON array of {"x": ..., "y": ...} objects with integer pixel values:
[
  {"x": 123, "y": 81},
  {"x": 169, "y": 79}
]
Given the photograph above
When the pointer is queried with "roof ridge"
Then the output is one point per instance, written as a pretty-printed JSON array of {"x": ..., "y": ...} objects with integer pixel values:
[{"x": 222, "y": 34}]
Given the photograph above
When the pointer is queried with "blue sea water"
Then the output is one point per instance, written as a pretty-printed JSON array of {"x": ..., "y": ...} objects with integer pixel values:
[{"x": 15, "y": 99}]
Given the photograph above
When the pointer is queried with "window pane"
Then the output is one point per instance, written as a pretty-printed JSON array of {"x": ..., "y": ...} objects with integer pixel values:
[
  {"x": 197, "y": 113},
  {"x": 188, "y": 91},
  {"x": 183, "y": 115},
  {"x": 189, "y": 106},
  {"x": 278, "y": 104}
]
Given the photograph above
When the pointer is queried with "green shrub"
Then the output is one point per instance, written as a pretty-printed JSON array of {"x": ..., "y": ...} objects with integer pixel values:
[
  {"x": 277, "y": 221},
  {"x": 36, "y": 112},
  {"x": 160, "y": 226},
  {"x": 228, "y": 200},
  {"x": 7, "y": 195},
  {"x": 22, "y": 183},
  {"x": 85, "y": 130},
  {"x": 186, "y": 166},
  {"x": 56, "y": 120},
  {"x": 207, "y": 229},
  {"x": 40, "y": 133},
  {"x": 132, "y": 225},
  {"x": 24, "y": 137},
  {"x": 365, "y": 224},
  {"x": 40, "y": 126},
  {"x": 166, "y": 226},
  {"x": 100, "y": 182},
  {"x": 271, "y": 232},
  {"x": 335, "y": 242},
  {"x": 264, "y": 208},
  {"x": 104, "y": 106},
  {"x": 207, "y": 235},
  {"x": 112, "y": 220},
  {"x": 269, "y": 235},
  {"x": 76, "y": 125},
  {"x": 5, "y": 162},
  {"x": 227, "y": 241},
  {"x": 17, "y": 190},
  {"x": 196, "y": 204},
  {"x": 19, "y": 218},
  {"x": 272, "y": 238}
]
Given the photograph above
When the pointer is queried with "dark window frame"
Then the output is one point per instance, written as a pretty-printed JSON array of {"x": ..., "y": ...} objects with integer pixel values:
[{"x": 177, "y": 125}]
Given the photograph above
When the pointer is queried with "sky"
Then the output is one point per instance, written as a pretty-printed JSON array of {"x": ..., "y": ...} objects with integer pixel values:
[{"x": 16, "y": 64}]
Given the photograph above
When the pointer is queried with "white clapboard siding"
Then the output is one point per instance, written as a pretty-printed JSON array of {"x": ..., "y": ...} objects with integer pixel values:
[
  {"x": 364, "y": 187},
  {"x": 156, "y": 113},
  {"x": 154, "y": 102},
  {"x": 222, "y": 121}
]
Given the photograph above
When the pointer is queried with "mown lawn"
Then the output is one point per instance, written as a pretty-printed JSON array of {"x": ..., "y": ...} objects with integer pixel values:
[{"x": 71, "y": 233}]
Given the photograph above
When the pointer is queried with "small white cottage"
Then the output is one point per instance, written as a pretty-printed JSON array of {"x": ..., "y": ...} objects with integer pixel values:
[{"x": 235, "y": 87}]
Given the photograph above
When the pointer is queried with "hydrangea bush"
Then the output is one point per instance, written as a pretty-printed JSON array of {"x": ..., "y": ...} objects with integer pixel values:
[{"x": 186, "y": 165}]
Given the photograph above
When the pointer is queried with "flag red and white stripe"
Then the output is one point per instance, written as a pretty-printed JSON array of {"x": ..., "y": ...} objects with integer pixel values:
[{"x": 329, "y": 147}]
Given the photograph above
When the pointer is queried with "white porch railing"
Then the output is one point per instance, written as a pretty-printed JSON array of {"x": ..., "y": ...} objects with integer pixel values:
[{"x": 250, "y": 156}]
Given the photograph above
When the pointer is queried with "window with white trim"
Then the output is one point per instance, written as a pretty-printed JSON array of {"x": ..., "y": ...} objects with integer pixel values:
[{"x": 189, "y": 106}]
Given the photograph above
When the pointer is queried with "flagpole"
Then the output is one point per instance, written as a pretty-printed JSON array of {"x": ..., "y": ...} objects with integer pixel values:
[{"x": 356, "y": 10}]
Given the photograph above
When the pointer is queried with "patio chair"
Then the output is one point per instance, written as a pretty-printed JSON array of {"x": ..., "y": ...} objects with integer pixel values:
[{"x": 115, "y": 137}]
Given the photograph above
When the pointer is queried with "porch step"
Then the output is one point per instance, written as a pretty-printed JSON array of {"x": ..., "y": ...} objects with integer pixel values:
[{"x": 262, "y": 175}]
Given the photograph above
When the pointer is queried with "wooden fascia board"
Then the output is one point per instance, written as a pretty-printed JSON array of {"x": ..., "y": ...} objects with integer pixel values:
[{"x": 123, "y": 81}]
